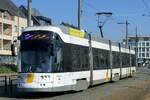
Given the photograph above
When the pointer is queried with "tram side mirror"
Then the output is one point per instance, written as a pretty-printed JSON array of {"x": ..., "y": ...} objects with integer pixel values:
[
  {"x": 13, "y": 50},
  {"x": 19, "y": 37}
]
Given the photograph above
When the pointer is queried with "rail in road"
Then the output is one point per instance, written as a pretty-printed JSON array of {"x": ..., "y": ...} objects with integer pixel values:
[{"x": 135, "y": 88}]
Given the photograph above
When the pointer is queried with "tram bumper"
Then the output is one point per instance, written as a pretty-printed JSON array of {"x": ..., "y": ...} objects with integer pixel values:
[
  {"x": 35, "y": 82},
  {"x": 35, "y": 87}
]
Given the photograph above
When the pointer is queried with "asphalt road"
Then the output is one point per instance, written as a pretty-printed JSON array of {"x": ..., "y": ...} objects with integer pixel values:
[{"x": 135, "y": 88}]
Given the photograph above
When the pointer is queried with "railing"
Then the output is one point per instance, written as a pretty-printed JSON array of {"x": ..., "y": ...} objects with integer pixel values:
[
  {"x": 1, "y": 14},
  {"x": 8, "y": 17},
  {"x": 0, "y": 44},
  {"x": 8, "y": 79},
  {"x": 0, "y": 28},
  {"x": 8, "y": 84}
]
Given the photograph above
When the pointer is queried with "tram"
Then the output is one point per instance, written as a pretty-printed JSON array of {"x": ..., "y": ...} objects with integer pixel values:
[{"x": 63, "y": 58}]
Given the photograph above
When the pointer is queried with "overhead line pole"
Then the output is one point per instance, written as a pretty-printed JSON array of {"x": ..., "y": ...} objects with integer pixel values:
[
  {"x": 127, "y": 33},
  {"x": 79, "y": 14},
  {"x": 29, "y": 12},
  {"x": 126, "y": 23},
  {"x": 136, "y": 50}
]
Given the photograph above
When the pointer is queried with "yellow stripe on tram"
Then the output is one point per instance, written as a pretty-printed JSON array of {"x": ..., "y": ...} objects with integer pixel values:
[
  {"x": 30, "y": 77},
  {"x": 107, "y": 79}
]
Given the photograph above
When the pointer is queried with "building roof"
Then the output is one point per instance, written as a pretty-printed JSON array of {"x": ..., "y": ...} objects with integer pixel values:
[
  {"x": 8, "y": 5},
  {"x": 36, "y": 15},
  {"x": 44, "y": 18},
  {"x": 25, "y": 12}
]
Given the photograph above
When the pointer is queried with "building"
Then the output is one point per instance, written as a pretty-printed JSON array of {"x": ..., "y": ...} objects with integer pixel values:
[
  {"x": 37, "y": 18},
  {"x": 12, "y": 21},
  {"x": 143, "y": 48}
]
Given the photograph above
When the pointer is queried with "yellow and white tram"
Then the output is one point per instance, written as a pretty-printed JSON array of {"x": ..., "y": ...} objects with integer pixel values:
[{"x": 61, "y": 58}]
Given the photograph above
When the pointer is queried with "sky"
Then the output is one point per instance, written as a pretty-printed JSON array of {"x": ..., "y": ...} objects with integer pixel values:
[{"x": 66, "y": 11}]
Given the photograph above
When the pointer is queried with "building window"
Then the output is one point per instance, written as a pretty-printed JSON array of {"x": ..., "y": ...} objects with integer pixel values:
[
  {"x": 7, "y": 29},
  {"x": 139, "y": 44},
  {"x": 6, "y": 44},
  {"x": 139, "y": 54},
  {"x": 147, "y": 54},
  {"x": 139, "y": 49},
  {"x": 15, "y": 28},
  {"x": 147, "y": 49},
  {"x": 22, "y": 28},
  {"x": 0, "y": 14},
  {"x": 143, "y": 49},
  {"x": 143, "y": 54},
  {"x": 147, "y": 43},
  {"x": 143, "y": 44}
]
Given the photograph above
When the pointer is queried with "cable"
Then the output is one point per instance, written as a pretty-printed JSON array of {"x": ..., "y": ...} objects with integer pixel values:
[
  {"x": 146, "y": 6},
  {"x": 90, "y": 6}
]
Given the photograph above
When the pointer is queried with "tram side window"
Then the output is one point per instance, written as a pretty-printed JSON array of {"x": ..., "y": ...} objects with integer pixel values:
[
  {"x": 84, "y": 57},
  {"x": 79, "y": 58},
  {"x": 104, "y": 59},
  {"x": 67, "y": 58},
  {"x": 124, "y": 60},
  {"x": 116, "y": 59},
  {"x": 96, "y": 64},
  {"x": 75, "y": 58},
  {"x": 128, "y": 60}
]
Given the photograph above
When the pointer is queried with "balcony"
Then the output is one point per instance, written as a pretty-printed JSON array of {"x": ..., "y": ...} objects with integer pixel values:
[
  {"x": 0, "y": 28},
  {"x": 7, "y": 16},
  {"x": 1, "y": 14},
  {"x": 7, "y": 29},
  {"x": 0, "y": 44}
]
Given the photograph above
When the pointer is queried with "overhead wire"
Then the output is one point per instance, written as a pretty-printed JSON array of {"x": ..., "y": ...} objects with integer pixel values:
[
  {"x": 90, "y": 6},
  {"x": 146, "y": 5},
  {"x": 89, "y": 14}
]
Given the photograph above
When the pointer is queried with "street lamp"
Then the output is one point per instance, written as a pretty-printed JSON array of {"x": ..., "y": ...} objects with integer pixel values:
[
  {"x": 147, "y": 15},
  {"x": 126, "y": 23}
]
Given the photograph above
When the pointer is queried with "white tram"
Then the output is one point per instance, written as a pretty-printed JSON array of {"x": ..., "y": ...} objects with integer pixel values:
[{"x": 61, "y": 58}]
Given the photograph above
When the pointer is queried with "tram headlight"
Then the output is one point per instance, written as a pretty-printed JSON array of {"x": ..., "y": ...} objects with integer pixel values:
[{"x": 45, "y": 76}]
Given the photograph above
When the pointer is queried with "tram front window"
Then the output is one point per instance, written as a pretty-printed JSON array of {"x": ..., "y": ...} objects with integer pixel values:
[{"x": 36, "y": 52}]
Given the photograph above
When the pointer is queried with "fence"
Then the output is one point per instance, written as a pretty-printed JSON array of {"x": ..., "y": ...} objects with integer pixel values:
[{"x": 8, "y": 79}]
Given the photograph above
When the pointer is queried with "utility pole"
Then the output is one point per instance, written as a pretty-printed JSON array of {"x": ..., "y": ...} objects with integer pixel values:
[
  {"x": 90, "y": 59},
  {"x": 127, "y": 33},
  {"x": 29, "y": 12},
  {"x": 79, "y": 14},
  {"x": 126, "y": 23},
  {"x": 136, "y": 50}
]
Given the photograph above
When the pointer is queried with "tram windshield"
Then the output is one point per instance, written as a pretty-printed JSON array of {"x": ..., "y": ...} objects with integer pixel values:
[{"x": 36, "y": 52}]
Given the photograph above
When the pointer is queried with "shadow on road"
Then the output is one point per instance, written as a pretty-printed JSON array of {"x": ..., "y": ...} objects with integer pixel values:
[{"x": 12, "y": 92}]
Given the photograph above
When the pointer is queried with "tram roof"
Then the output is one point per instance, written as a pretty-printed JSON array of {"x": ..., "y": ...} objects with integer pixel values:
[{"x": 74, "y": 32}]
